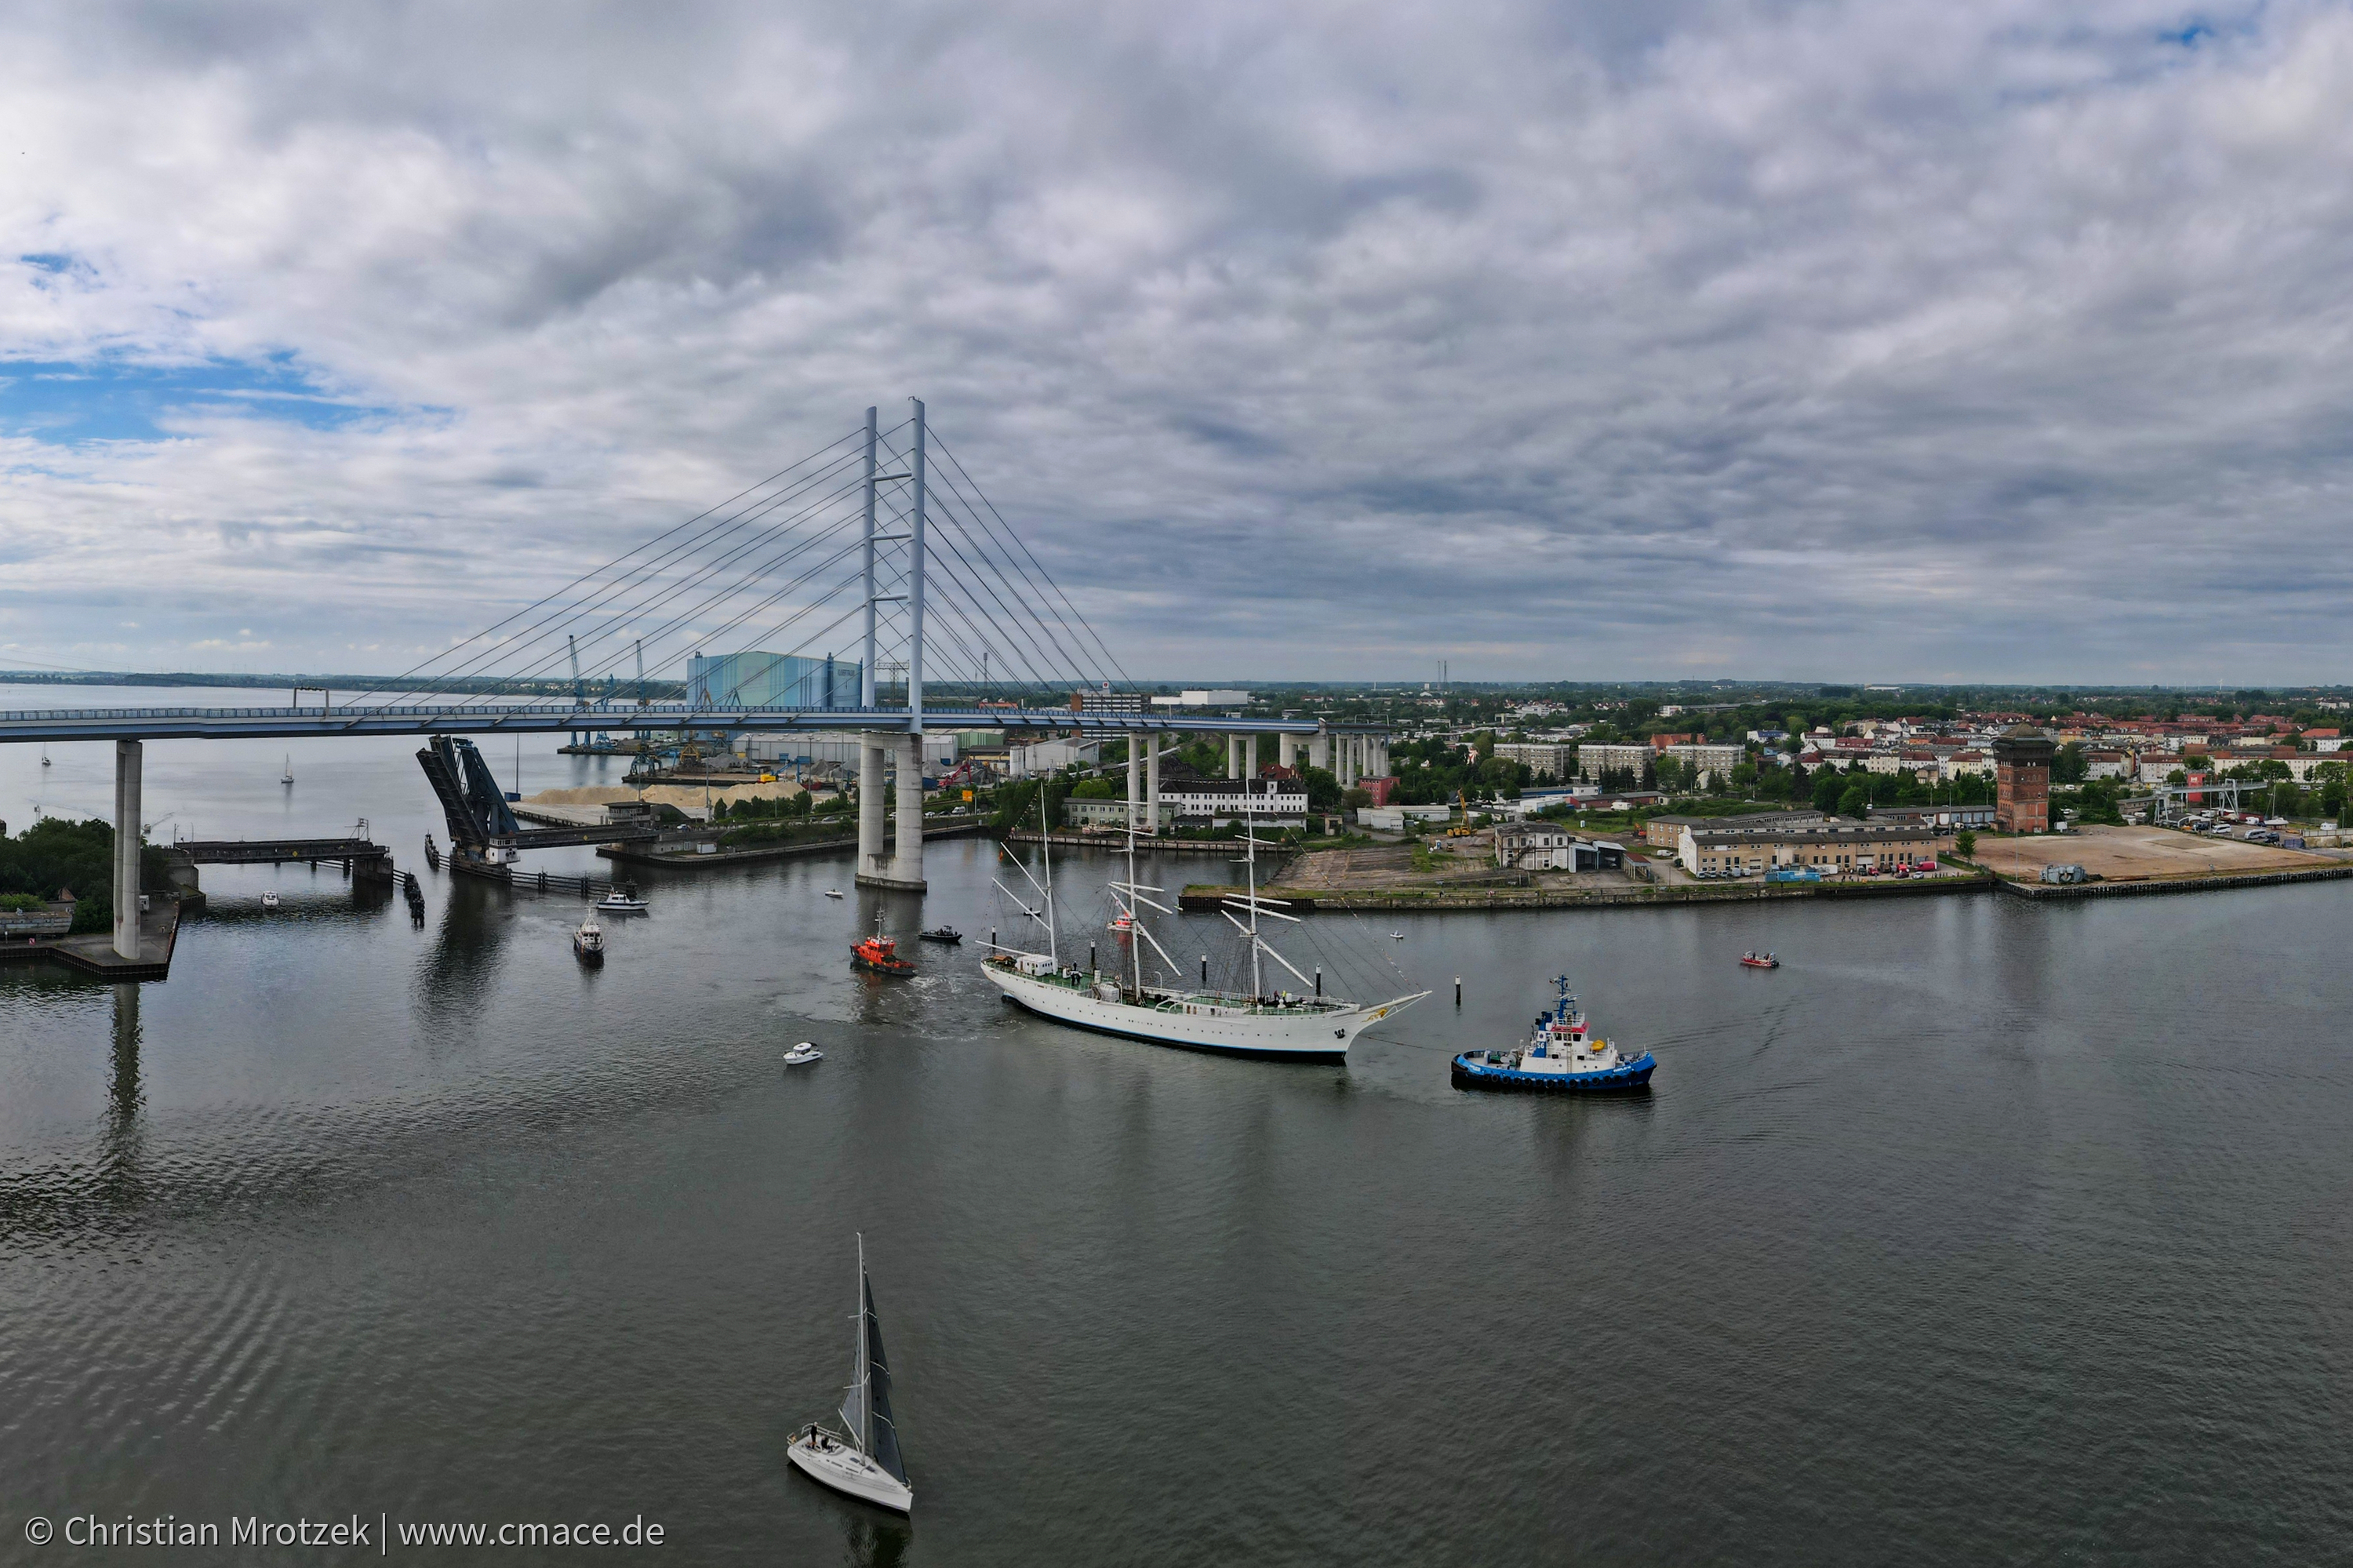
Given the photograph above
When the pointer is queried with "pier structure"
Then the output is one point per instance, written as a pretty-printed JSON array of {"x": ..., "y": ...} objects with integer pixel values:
[{"x": 128, "y": 763}]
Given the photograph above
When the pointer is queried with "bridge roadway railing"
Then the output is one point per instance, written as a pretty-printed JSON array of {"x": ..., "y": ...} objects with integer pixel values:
[{"x": 67, "y": 725}]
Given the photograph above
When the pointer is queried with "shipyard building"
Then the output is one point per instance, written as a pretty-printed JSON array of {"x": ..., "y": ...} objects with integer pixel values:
[{"x": 755, "y": 679}]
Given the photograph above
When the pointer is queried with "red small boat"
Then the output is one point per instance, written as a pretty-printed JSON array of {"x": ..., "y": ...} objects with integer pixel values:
[
  {"x": 1759, "y": 961},
  {"x": 881, "y": 954}
]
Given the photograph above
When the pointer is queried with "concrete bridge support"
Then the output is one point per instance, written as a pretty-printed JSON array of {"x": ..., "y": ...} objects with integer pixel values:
[
  {"x": 873, "y": 860},
  {"x": 907, "y": 865},
  {"x": 1137, "y": 745},
  {"x": 1152, "y": 783},
  {"x": 1319, "y": 750},
  {"x": 1234, "y": 757},
  {"x": 1286, "y": 750},
  {"x": 881, "y": 864},
  {"x": 1249, "y": 757},
  {"x": 127, "y": 757}
]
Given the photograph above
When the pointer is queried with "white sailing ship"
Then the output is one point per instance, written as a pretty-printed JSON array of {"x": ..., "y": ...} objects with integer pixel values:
[
  {"x": 863, "y": 1459},
  {"x": 1306, "y": 1025}
]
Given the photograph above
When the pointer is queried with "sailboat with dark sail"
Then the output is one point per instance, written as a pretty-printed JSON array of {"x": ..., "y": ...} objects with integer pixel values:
[{"x": 862, "y": 1460}]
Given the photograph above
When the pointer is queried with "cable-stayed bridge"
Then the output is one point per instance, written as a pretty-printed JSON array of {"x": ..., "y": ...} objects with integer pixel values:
[{"x": 878, "y": 543}]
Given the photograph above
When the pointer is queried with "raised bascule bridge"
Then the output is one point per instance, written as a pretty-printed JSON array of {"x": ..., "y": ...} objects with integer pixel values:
[{"x": 879, "y": 541}]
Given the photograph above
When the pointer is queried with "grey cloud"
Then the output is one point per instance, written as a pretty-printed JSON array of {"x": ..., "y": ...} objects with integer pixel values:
[{"x": 1585, "y": 339}]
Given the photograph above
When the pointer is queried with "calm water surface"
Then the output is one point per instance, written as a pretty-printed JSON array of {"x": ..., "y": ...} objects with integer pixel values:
[{"x": 1977, "y": 1233}]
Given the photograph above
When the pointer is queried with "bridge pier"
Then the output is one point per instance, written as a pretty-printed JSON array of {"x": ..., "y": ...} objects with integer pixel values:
[
  {"x": 907, "y": 864},
  {"x": 1152, "y": 784},
  {"x": 879, "y": 864},
  {"x": 1249, "y": 757},
  {"x": 127, "y": 755},
  {"x": 1136, "y": 743},
  {"x": 871, "y": 859},
  {"x": 1286, "y": 750},
  {"x": 1234, "y": 757}
]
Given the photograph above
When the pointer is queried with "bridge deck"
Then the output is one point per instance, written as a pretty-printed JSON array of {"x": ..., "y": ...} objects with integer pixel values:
[
  {"x": 263, "y": 852},
  {"x": 65, "y": 724}
]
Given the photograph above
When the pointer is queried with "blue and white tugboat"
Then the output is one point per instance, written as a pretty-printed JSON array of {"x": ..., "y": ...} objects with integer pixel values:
[{"x": 1562, "y": 1056}]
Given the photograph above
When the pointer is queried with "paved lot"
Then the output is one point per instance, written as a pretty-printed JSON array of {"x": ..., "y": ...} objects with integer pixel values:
[{"x": 2123, "y": 854}]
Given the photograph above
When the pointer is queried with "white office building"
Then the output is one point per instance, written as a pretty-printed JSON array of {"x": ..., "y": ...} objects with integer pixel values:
[
  {"x": 1053, "y": 756},
  {"x": 1213, "y": 802}
]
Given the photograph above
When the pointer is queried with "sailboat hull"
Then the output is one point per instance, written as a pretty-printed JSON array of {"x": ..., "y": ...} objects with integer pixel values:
[
  {"x": 833, "y": 1463},
  {"x": 1301, "y": 1035}
]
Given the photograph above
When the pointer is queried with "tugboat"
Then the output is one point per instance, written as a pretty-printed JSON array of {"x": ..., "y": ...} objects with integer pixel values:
[
  {"x": 1759, "y": 961},
  {"x": 1562, "y": 1056},
  {"x": 881, "y": 954},
  {"x": 946, "y": 934},
  {"x": 588, "y": 943}
]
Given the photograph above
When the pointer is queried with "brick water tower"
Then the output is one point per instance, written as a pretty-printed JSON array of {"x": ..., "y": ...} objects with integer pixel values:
[{"x": 2022, "y": 773}]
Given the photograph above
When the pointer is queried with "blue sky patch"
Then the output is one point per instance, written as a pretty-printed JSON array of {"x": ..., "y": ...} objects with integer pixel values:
[{"x": 63, "y": 402}]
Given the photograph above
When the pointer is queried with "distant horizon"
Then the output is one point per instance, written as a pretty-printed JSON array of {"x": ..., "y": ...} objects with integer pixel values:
[{"x": 1693, "y": 685}]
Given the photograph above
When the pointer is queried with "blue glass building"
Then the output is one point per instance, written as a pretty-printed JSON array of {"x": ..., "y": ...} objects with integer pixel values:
[{"x": 755, "y": 679}]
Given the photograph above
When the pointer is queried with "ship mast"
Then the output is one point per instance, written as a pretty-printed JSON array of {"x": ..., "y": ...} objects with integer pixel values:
[
  {"x": 1249, "y": 837},
  {"x": 1134, "y": 914},
  {"x": 1046, "y": 834},
  {"x": 864, "y": 1436}
]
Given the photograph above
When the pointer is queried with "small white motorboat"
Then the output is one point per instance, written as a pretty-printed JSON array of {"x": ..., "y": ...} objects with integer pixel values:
[
  {"x": 622, "y": 900},
  {"x": 833, "y": 893},
  {"x": 1396, "y": 936},
  {"x": 287, "y": 776},
  {"x": 804, "y": 1051},
  {"x": 269, "y": 900},
  {"x": 863, "y": 1461}
]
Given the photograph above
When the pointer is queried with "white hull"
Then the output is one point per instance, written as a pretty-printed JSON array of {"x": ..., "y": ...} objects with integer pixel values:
[
  {"x": 1304, "y": 1034},
  {"x": 845, "y": 1470}
]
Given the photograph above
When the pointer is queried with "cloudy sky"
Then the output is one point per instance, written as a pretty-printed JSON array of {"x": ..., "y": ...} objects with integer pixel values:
[{"x": 1888, "y": 341}]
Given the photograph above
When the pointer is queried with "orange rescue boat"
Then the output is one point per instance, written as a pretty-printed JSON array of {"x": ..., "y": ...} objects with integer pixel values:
[{"x": 881, "y": 954}]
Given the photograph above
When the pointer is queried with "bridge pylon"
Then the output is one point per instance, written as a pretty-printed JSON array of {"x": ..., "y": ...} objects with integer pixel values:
[{"x": 902, "y": 866}]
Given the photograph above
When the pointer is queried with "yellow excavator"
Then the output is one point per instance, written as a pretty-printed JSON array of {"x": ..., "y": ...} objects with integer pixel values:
[{"x": 1462, "y": 830}]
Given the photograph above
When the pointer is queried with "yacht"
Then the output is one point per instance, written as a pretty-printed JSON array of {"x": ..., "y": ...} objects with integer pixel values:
[
  {"x": 1305, "y": 1026},
  {"x": 863, "y": 1458}
]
